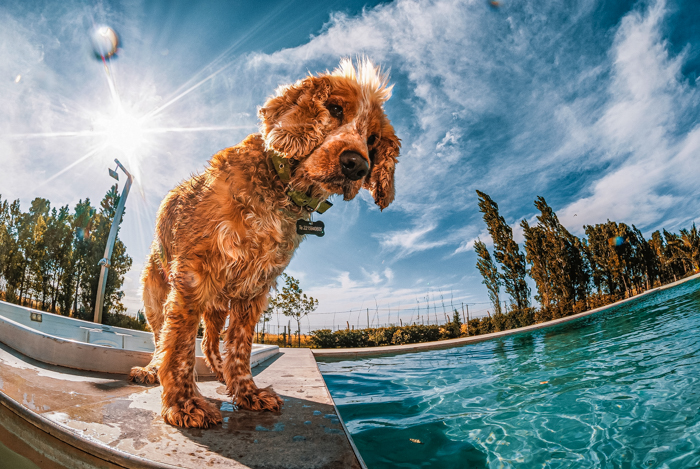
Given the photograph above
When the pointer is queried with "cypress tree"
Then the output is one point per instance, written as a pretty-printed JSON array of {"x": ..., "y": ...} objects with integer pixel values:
[
  {"x": 691, "y": 246},
  {"x": 537, "y": 256},
  {"x": 506, "y": 252},
  {"x": 567, "y": 273},
  {"x": 489, "y": 271}
]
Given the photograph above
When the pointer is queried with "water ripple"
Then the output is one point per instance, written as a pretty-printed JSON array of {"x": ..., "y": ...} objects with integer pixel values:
[{"x": 616, "y": 389}]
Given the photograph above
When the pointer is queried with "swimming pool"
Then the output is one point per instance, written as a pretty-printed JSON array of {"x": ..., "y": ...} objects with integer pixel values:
[{"x": 619, "y": 388}]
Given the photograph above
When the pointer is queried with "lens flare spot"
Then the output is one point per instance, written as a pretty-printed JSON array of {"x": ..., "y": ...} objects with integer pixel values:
[
  {"x": 616, "y": 241},
  {"x": 105, "y": 41}
]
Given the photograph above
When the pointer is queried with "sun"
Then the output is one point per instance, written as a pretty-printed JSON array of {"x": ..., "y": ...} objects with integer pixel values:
[{"x": 123, "y": 131}]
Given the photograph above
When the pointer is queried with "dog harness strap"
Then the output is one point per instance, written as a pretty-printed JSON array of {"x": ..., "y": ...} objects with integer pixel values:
[{"x": 312, "y": 204}]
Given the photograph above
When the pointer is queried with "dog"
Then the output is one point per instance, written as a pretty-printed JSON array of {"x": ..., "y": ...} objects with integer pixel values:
[{"x": 223, "y": 237}]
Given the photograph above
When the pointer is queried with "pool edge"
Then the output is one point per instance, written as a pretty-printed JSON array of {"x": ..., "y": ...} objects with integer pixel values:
[{"x": 443, "y": 344}]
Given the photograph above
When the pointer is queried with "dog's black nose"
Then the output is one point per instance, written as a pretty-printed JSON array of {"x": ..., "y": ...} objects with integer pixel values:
[{"x": 353, "y": 165}]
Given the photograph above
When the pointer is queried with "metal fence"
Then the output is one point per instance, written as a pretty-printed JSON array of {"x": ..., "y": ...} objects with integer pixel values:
[{"x": 364, "y": 318}]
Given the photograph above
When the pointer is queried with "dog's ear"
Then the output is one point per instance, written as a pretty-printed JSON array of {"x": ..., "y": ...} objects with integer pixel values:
[
  {"x": 294, "y": 121},
  {"x": 383, "y": 155}
]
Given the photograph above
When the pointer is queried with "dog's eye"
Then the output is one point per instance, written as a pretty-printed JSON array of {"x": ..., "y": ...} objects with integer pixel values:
[
  {"x": 371, "y": 139},
  {"x": 336, "y": 111}
]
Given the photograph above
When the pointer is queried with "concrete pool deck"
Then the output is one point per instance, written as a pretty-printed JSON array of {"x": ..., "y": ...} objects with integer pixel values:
[
  {"x": 349, "y": 353},
  {"x": 64, "y": 418}
]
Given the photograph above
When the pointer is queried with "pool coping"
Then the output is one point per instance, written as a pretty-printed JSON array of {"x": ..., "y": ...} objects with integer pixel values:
[{"x": 449, "y": 343}]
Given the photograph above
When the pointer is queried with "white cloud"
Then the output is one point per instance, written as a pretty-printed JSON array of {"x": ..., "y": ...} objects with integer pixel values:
[
  {"x": 389, "y": 274},
  {"x": 409, "y": 241},
  {"x": 638, "y": 129}
]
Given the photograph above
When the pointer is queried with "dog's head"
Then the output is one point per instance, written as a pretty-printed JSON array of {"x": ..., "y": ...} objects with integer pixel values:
[{"x": 334, "y": 126}]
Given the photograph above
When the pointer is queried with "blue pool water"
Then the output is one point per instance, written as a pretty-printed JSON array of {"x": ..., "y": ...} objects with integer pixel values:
[{"x": 617, "y": 389}]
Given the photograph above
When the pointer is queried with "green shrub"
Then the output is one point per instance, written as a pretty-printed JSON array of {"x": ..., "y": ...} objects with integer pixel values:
[
  {"x": 351, "y": 338},
  {"x": 323, "y": 338},
  {"x": 393, "y": 335}
]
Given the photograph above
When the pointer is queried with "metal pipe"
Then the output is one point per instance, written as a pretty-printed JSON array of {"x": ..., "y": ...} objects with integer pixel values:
[{"x": 104, "y": 262}]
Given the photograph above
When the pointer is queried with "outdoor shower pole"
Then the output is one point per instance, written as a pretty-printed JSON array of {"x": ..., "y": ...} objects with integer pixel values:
[{"x": 104, "y": 262}]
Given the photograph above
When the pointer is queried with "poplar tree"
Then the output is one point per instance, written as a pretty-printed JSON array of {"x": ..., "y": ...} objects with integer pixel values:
[
  {"x": 556, "y": 256},
  {"x": 506, "y": 252},
  {"x": 648, "y": 260},
  {"x": 489, "y": 271},
  {"x": 538, "y": 258},
  {"x": 691, "y": 246},
  {"x": 676, "y": 258}
]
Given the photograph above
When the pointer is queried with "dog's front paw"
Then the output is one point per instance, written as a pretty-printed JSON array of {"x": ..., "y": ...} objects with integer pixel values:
[
  {"x": 144, "y": 375},
  {"x": 260, "y": 399},
  {"x": 195, "y": 412}
]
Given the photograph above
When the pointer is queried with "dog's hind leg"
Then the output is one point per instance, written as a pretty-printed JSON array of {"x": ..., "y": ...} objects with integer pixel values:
[
  {"x": 239, "y": 342},
  {"x": 183, "y": 405},
  {"x": 155, "y": 291},
  {"x": 213, "y": 322}
]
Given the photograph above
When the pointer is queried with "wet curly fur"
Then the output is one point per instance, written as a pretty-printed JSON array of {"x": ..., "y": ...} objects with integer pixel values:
[{"x": 224, "y": 236}]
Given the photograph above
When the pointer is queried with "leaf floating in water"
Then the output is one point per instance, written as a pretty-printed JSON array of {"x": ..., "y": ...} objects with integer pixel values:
[
  {"x": 413, "y": 440},
  {"x": 544, "y": 382}
]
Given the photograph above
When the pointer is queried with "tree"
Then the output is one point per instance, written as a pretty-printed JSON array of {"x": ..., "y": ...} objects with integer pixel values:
[
  {"x": 674, "y": 256},
  {"x": 558, "y": 266},
  {"x": 506, "y": 252},
  {"x": 265, "y": 318},
  {"x": 489, "y": 271},
  {"x": 294, "y": 303},
  {"x": 83, "y": 221},
  {"x": 691, "y": 246},
  {"x": 536, "y": 256},
  {"x": 59, "y": 239},
  {"x": 10, "y": 252},
  {"x": 611, "y": 256},
  {"x": 48, "y": 257},
  {"x": 649, "y": 262}
]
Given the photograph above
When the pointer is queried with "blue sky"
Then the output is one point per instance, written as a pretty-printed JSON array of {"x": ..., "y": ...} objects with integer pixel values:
[{"x": 591, "y": 104}]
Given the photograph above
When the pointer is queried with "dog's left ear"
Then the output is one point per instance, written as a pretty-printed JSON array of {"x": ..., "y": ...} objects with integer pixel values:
[
  {"x": 294, "y": 121},
  {"x": 383, "y": 156}
]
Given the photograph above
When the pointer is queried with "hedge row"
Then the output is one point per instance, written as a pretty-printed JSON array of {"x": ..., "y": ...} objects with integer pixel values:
[{"x": 395, "y": 335}]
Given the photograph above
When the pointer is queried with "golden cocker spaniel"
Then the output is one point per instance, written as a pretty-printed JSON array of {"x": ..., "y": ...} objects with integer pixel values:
[{"x": 224, "y": 236}]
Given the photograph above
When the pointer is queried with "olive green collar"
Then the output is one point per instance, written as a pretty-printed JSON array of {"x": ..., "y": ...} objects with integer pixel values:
[{"x": 284, "y": 171}]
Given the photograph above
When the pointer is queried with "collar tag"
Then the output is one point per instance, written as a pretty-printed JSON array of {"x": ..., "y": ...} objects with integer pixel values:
[{"x": 310, "y": 227}]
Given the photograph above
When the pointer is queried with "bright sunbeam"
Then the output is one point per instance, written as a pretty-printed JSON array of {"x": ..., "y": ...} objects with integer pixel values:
[{"x": 75, "y": 163}]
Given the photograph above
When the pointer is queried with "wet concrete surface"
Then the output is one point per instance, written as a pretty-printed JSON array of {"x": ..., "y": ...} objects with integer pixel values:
[{"x": 108, "y": 411}]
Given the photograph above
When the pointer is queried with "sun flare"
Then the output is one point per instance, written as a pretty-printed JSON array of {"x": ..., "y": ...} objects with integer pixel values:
[{"x": 123, "y": 131}]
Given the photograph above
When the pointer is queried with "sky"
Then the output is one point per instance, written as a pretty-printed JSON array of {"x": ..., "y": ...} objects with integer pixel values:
[{"x": 590, "y": 104}]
